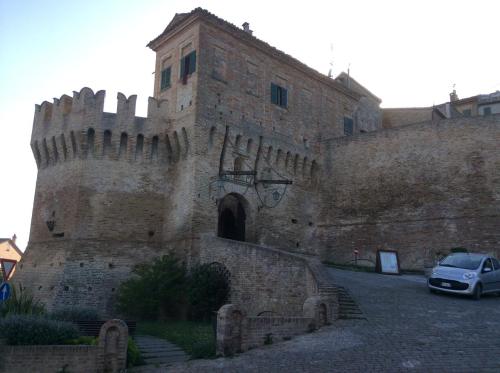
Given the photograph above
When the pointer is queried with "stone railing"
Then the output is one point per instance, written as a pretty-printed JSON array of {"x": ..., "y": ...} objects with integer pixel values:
[
  {"x": 110, "y": 355},
  {"x": 237, "y": 333}
]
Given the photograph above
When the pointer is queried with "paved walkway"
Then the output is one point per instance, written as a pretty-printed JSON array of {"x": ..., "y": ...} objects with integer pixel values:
[
  {"x": 407, "y": 329},
  {"x": 158, "y": 354}
]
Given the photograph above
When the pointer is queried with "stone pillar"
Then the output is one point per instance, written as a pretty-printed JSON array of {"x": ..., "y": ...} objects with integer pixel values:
[
  {"x": 319, "y": 310},
  {"x": 229, "y": 330},
  {"x": 113, "y": 341}
]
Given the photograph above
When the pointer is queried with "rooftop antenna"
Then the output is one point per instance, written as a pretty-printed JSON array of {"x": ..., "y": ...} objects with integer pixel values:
[
  {"x": 349, "y": 75},
  {"x": 330, "y": 71}
]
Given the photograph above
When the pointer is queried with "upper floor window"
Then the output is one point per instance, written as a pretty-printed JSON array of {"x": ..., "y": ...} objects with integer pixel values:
[
  {"x": 279, "y": 95},
  {"x": 348, "y": 126},
  {"x": 188, "y": 66},
  {"x": 165, "y": 78}
]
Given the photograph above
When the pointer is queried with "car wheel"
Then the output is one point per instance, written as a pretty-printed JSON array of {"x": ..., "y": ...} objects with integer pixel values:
[{"x": 478, "y": 290}]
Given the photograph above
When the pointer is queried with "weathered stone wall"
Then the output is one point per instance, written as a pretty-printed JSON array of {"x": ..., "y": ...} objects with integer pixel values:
[
  {"x": 262, "y": 279},
  {"x": 396, "y": 117},
  {"x": 112, "y": 190},
  {"x": 278, "y": 143},
  {"x": 49, "y": 359},
  {"x": 416, "y": 189},
  {"x": 110, "y": 355},
  {"x": 237, "y": 332}
]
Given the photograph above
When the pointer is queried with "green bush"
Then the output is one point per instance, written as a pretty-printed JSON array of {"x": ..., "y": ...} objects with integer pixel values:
[
  {"x": 21, "y": 302},
  {"x": 134, "y": 357},
  {"x": 204, "y": 349},
  {"x": 36, "y": 330},
  {"x": 156, "y": 289},
  {"x": 208, "y": 290},
  {"x": 75, "y": 314},
  {"x": 82, "y": 340}
]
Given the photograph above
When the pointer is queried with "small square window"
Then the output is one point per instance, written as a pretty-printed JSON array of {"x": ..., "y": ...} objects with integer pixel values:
[
  {"x": 466, "y": 113},
  {"x": 348, "y": 126},
  {"x": 487, "y": 111},
  {"x": 165, "y": 78},
  {"x": 279, "y": 95}
]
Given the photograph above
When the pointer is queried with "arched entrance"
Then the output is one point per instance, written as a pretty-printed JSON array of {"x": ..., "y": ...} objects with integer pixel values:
[{"x": 232, "y": 217}]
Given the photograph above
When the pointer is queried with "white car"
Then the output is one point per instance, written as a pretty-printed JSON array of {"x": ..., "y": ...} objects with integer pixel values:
[{"x": 464, "y": 273}]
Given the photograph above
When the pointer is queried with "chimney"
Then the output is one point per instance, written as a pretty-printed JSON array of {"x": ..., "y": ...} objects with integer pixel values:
[
  {"x": 453, "y": 96},
  {"x": 246, "y": 28},
  {"x": 14, "y": 238}
]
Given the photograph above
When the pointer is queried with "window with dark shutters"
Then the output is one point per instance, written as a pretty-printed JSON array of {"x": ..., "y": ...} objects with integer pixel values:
[
  {"x": 348, "y": 126},
  {"x": 279, "y": 95},
  {"x": 165, "y": 78},
  {"x": 188, "y": 66}
]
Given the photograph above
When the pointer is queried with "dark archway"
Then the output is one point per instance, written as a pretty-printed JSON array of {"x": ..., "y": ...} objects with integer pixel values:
[{"x": 232, "y": 217}]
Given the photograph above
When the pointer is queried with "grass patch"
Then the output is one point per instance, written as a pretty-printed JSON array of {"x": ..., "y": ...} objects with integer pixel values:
[
  {"x": 196, "y": 338},
  {"x": 350, "y": 267}
]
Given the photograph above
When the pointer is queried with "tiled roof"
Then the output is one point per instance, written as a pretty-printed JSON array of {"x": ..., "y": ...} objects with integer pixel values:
[
  {"x": 12, "y": 243},
  {"x": 243, "y": 35}
]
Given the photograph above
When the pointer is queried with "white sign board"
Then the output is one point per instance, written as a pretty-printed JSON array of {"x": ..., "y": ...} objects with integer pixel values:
[{"x": 389, "y": 262}]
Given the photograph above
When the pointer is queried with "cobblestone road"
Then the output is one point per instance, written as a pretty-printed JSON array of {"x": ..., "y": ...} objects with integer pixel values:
[{"x": 407, "y": 330}]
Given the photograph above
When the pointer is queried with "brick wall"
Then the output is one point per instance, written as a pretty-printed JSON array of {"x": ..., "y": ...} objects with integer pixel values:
[
  {"x": 402, "y": 116},
  {"x": 262, "y": 279},
  {"x": 416, "y": 189},
  {"x": 49, "y": 359}
]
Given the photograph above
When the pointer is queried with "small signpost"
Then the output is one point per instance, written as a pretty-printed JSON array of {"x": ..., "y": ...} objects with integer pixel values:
[
  {"x": 387, "y": 262},
  {"x": 4, "y": 292}
]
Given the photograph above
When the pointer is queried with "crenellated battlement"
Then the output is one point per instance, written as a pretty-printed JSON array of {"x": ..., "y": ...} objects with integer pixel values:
[
  {"x": 77, "y": 128},
  {"x": 289, "y": 160}
]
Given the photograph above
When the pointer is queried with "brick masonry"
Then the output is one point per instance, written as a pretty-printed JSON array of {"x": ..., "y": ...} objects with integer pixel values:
[
  {"x": 114, "y": 189},
  {"x": 418, "y": 189},
  {"x": 110, "y": 355}
]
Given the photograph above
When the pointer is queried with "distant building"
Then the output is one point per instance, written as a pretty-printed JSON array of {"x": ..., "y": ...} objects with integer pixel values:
[
  {"x": 479, "y": 105},
  {"x": 10, "y": 252}
]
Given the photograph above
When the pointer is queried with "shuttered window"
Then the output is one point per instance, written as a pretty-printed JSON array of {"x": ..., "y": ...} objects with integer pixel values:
[
  {"x": 348, "y": 126},
  {"x": 279, "y": 95},
  {"x": 188, "y": 65},
  {"x": 165, "y": 78}
]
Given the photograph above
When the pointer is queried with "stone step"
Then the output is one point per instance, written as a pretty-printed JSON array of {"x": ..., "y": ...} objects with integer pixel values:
[
  {"x": 147, "y": 355},
  {"x": 166, "y": 360},
  {"x": 159, "y": 351},
  {"x": 151, "y": 346}
]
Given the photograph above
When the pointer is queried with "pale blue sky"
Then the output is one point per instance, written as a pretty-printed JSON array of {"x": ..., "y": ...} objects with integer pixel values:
[{"x": 409, "y": 53}]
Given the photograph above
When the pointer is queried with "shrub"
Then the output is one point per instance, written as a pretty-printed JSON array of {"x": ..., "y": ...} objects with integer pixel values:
[
  {"x": 157, "y": 288},
  {"x": 75, "y": 314},
  {"x": 134, "y": 357},
  {"x": 35, "y": 330},
  {"x": 203, "y": 349},
  {"x": 21, "y": 302},
  {"x": 82, "y": 340},
  {"x": 208, "y": 290}
]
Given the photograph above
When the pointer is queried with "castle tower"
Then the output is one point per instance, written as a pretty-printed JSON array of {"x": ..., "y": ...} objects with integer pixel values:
[{"x": 230, "y": 147}]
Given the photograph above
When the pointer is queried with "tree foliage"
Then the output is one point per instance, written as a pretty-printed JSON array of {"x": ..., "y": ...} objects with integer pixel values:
[
  {"x": 156, "y": 289},
  {"x": 208, "y": 290}
]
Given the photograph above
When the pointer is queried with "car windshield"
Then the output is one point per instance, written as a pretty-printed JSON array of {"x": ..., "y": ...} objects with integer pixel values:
[{"x": 465, "y": 261}]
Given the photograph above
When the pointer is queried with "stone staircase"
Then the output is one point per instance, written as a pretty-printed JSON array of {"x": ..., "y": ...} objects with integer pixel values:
[
  {"x": 157, "y": 353},
  {"x": 348, "y": 309}
]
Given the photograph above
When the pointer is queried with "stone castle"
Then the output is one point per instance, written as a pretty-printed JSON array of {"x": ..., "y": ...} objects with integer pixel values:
[{"x": 248, "y": 158}]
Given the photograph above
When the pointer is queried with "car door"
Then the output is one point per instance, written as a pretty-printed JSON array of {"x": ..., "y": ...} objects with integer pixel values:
[
  {"x": 496, "y": 268},
  {"x": 488, "y": 275}
]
